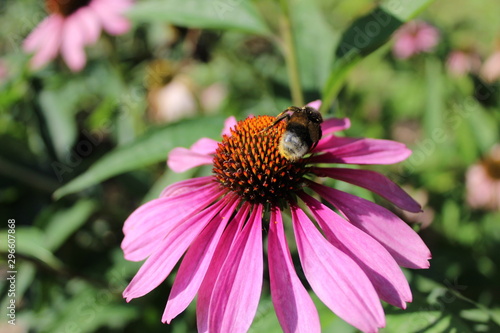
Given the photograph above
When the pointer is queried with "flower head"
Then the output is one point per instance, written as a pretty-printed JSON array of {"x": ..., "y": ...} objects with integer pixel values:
[
  {"x": 483, "y": 182},
  {"x": 216, "y": 222},
  {"x": 72, "y": 25},
  {"x": 413, "y": 38}
]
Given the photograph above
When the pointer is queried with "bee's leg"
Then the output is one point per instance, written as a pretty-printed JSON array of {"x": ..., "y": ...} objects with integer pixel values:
[{"x": 280, "y": 117}]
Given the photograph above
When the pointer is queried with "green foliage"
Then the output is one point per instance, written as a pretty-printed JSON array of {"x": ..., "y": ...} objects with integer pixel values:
[
  {"x": 233, "y": 15},
  {"x": 151, "y": 148},
  {"x": 81, "y": 151}
]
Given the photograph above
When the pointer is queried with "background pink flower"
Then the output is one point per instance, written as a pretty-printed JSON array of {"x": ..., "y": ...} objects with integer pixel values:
[
  {"x": 72, "y": 25},
  {"x": 462, "y": 62},
  {"x": 483, "y": 182},
  {"x": 490, "y": 71},
  {"x": 215, "y": 224},
  {"x": 413, "y": 38}
]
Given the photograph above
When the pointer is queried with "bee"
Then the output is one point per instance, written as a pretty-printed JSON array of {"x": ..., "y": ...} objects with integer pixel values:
[{"x": 302, "y": 131}]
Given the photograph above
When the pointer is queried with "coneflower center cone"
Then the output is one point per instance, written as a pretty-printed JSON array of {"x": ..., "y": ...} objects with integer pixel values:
[
  {"x": 248, "y": 162},
  {"x": 65, "y": 7}
]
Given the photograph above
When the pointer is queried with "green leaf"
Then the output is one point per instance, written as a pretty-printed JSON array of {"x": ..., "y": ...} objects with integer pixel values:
[
  {"x": 314, "y": 58},
  {"x": 483, "y": 126},
  {"x": 58, "y": 113},
  {"x": 30, "y": 242},
  {"x": 218, "y": 14},
  {"x": 146, "y": 150},
  {"x": 65, "y": 222},
  {"x": 87, "y": 310},
  {"x": 364, "y": 36},
  {"x": 168, "y": 178},
  {"x": 433, "y": 114},
  {"x": 424, "y": 321},
  {"x": 405, "y": 10}
]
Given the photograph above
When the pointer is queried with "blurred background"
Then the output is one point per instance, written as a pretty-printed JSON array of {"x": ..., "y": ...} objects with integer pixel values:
[{"x": 81, "y": 149}]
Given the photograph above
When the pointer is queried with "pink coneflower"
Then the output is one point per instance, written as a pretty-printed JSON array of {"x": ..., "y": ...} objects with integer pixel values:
[
  {"x": 462, "y": 62},
  {"x": 216, "y": 222},
  {"x": 490, "y": 71},
  {"x": 72, "y": 25},
  {"x": 413, "y": 38},
  {"x": 483, "y": 182}
]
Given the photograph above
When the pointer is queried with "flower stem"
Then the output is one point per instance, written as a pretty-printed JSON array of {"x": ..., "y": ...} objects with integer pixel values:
[{"x": 291, "y": 56}]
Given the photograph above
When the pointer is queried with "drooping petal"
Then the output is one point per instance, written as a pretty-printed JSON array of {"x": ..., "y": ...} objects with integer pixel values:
[
  {"x": 159, "y": 265},
  {"x": 237, "y": 290},
  {"x": 377, "y": 263},
  {"x": 195, "y": 264},
  {"x": 185, "y": 186},
  {"x": 42, "y": 30},
  {"x": 337, "y": 280},
  {"x": 146, "y": 227},
  {"x": 73, "y": 43},
  {"x": 402, "y": 242},
  {"x": 111, "y": 16},
  {"x": 46, "y": 40},
  {"x": 359, "y": 151},
  {"x": 374, "y": 182},
  {"x": 89, "y": 23},
  {"x": 293, "y": 305},
  {"x": 221, "y": 252},
  {"x": 228, "y": 124},
  {"x": 182, "y": 159}
]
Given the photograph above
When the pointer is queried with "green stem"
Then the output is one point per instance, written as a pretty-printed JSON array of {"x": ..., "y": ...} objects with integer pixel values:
[{"x": 291, "y": 56}]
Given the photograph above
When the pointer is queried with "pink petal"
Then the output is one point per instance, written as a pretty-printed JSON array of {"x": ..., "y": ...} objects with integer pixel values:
[
  {"x": 359, "y": 151},
  {"x": 335, "y": 125},
  {"x": 402, "y": 242},
  {"x": 237, "y": 290},
  {"x": 195, "y": 264},
  {"x": 427, "y": 38},
  {"x": 490, "y": 69},
  {"x": 89, "y": 23},
  {"x": 378, "y": 265},
  {"x": 315, "y": 104},
  {"x": 73, "y": 43},
  {"x": 37, "y": 37},
  {"x": 229, "y": 124},
  {"x": 111, "y": 17},
  {"x": 335, "y": 278},
  {"x": 405, "y": 46},
  {"x": 182, "y": 159},
  {"x": 117, "y": 6},
  {"x": 205, "y": 146},
  {"x": 294, "y": 307},
  {"x": 146, "y": 227},
  {"x": 116, "y": 25},
  {"x": 186, "y": 186},
  {"x": 374, "y": 182},
  {"x": 159, "y": 265},
  {"x": 45, "y": 39},
  {"x": 221, "y": 252}
]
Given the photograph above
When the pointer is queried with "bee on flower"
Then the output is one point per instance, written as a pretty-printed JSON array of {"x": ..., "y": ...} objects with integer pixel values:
[{"x": 215, "y": 224}]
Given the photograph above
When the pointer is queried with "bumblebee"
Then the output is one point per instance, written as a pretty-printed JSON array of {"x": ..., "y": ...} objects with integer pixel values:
[{"x": 302, "y": 131}]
